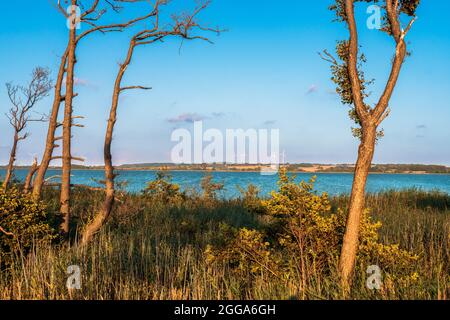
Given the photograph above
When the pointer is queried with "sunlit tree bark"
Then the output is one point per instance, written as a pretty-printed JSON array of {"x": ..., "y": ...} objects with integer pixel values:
[
  {"x": 351, "y": 86},
  {"x": 66, "y": 79},
  {"x": 182, "y": 27}
]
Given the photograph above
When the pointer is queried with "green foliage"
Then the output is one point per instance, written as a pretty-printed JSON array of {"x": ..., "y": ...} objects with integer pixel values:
[
  {"x": 339, "y": 8},
  {"x": 341, "y": 78},
  {"x": 27, "y": 221},
  {"x": 251, "y": 199},
  {"x": 153, "y": 250},
  {"x": 304, "y": 238},
  {"x": 163, "y": 189},
  {"x": 248, "y": 253},
  {"x": 339, "y": 66},
  {"x": 409, "y": 7}
]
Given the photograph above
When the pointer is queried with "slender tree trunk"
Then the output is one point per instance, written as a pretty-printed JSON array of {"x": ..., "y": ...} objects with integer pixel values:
[
  {"x": 28, "y": 181},
  {"x": 370, "y": 120},
  {"x": 12, "y": 159},
  {"x": 357, "y": 203},
  {"x": 105, "y": 211},
  {"x": 67, "y": 129},
  {"x": 52, "y": 126}
]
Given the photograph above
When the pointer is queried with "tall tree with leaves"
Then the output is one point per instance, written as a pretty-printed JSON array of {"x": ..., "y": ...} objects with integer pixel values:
[
  {"x": 351, "y": 86},
  {"x": 23, "y": 100},
  {"x": 183, "y": 26}
]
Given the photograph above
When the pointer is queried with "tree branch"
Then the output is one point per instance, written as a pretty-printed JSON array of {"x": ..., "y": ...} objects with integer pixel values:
[
  {"x": 353, "y": 63},
  {"x": 135, "y": 87},
  {"x": 6, "y": 232},
  {"x": 400, "y": 54}
]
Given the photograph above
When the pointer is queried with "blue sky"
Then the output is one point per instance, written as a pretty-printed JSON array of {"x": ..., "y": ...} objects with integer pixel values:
[{"x": 263, "y": 73}]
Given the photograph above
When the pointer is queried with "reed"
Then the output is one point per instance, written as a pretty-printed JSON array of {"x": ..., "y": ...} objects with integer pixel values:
[{"x": 153, "y": 250}]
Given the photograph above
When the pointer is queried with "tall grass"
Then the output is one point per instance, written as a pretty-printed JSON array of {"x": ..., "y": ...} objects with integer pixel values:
[{"x": 151, "y": 250}]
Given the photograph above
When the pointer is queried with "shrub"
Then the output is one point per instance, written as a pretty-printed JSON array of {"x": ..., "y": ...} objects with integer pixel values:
[
  {"x": 210, "y": 189},
  {"x": 303, "y": 238},
  {"x": 163, "y": 189},
  {"x": 26, "y": 220},
  {"x": 251, "y": 199}
]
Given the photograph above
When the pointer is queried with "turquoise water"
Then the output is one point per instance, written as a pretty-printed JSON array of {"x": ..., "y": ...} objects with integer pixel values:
[{"x": 333, "y": 183}]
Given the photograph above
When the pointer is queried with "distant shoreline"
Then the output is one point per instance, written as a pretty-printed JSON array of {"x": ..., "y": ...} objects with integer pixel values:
[
  {"x": 237, "y": 171},
  {"x": 312, "y": 168}
]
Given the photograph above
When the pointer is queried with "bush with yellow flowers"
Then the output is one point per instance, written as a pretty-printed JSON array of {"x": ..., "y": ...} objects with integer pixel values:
[
  {"x": 24, "y": 222},
  {"x": 303, "y": 237}
]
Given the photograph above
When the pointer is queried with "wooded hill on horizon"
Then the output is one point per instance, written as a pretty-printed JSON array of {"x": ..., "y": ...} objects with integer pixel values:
[{"x": 293, "y": 167}]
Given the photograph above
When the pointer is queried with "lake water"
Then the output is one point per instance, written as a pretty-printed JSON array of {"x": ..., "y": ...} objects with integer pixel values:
[{"x": 333, "y": 183}]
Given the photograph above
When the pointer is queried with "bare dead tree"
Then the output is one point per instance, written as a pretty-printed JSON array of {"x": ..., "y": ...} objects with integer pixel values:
[
  {"x": 182, "y": 26},
  {"x": 23, "y": 99},
  {"x": 51, "y": 131},
  {"x": 67, "y": 122},
  {"x": 77, "y": 13},
  {"x": 352, "y": 85}
]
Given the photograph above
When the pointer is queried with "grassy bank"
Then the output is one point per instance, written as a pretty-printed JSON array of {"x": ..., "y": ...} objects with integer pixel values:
[{"x": 156, "y": 248}]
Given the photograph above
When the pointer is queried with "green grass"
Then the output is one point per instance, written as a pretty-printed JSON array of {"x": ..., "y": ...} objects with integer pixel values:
[{"x": 150, "y": 250}]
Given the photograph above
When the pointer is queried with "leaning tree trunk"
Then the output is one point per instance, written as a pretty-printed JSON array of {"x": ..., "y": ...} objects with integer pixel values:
[
  {"x": 67, "y": 130},
  {"x": 28, "y": 181},
  {"x": 105, "y": 211},
  {"x": 12, "y": 159},
  {"x": 370, "y": 120},
  {"x": 357, "y": 203},
  {"x": 39, "y": 180}
]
